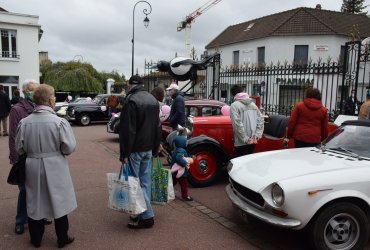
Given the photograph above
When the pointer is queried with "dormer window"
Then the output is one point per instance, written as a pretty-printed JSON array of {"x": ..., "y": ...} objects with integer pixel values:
[
  {"x": 249, "y": 27},
  {"x": 8, "y": 44}
]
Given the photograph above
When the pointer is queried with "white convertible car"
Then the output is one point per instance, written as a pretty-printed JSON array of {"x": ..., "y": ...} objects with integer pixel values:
[{"x": 325, "y": 189}]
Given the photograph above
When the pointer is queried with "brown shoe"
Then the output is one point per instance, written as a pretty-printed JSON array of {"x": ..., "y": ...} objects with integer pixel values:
[
  {"x": 5, "y": 134},
  {"x": 148, "y": 223}
]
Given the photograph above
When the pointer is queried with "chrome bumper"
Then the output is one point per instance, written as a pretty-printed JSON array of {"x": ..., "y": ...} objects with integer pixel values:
[{"x": 260, "y": 214}]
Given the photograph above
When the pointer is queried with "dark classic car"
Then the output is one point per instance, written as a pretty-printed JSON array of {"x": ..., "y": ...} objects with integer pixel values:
[{"x": 85, "y": 113}]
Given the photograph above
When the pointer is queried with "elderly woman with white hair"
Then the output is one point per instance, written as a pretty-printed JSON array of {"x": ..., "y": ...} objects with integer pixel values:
[
  {"x": 47, "y": 139},
  {"x": 19, "y": 111}
]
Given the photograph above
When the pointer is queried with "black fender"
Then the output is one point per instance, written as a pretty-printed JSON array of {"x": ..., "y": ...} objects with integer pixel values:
[{"x": 203, "y": 140}]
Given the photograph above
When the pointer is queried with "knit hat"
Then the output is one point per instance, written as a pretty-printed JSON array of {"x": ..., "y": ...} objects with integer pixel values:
[{"x": 135, "y": 79}]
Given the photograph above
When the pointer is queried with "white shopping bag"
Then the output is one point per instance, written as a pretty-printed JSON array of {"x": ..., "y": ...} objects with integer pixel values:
[{"x": 125, "y": 193}]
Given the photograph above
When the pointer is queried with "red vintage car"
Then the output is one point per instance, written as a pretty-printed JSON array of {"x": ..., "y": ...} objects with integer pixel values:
[{"x": 212, "y": 143}]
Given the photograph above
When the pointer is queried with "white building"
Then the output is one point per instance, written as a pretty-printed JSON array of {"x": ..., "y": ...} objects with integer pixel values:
[
  {"x": 294, "y": 36},
  {"x": 19, "y": 56},
  {"x": 297, "y": 37}
]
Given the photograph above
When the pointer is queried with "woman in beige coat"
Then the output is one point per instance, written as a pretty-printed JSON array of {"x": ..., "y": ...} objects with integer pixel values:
[{"x": 46, "y": 139}]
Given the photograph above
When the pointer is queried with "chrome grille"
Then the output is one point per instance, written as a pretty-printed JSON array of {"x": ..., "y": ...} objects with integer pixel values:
[{"x": 248, "y": 194}]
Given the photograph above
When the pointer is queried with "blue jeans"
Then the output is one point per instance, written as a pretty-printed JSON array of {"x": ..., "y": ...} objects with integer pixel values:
[
  {"x": 21, "y": 217},
  {"x": 140, "y": 166}
]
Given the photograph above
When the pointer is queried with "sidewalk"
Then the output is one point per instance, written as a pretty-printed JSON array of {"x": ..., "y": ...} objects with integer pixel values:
[{"x": 178, "y": 225}]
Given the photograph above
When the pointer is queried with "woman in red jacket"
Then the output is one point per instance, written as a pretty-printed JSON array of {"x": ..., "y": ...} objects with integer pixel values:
[{"x": 308, "y": 123}]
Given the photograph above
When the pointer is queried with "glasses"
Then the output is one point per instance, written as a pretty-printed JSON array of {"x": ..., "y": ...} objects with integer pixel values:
[{"x": 53, "y": 98}]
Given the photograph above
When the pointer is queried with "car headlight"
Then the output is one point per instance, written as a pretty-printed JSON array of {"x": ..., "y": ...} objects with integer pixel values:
[
  {"x": 229, "y": 166},
  {"x": 277, "y": 195}
]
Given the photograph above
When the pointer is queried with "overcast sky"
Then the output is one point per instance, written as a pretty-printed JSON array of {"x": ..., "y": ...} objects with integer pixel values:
[{"x": 100, "y": 31}]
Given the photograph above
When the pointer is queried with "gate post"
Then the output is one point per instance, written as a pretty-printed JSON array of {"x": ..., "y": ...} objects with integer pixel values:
[{"x": 351, "y": 68}]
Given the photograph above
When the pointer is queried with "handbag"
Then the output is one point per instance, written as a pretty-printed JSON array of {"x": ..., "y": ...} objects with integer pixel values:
[
  {"x": 17, "y": 174},
  {"x": 125, "y": 193},
  {"x": 162, "y": 184}
]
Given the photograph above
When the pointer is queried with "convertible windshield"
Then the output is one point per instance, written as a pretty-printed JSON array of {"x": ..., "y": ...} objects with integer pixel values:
[
  {"x": 350, "y": 140},
  {"x": 97, "y": 99}
]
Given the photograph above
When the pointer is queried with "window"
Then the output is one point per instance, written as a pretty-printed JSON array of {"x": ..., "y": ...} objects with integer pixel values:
[
  {"x": 261, "y": 55},
  {"x": 301, "y": 54},
  {"x": 236, "y": 57},
  {"x": 193, "y": 111},
  {"x": 210, "y": 111},
  {"x": 8, "y": 43}
]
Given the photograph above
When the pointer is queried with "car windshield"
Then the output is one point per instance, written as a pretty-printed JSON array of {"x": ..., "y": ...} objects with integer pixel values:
[
  {"x": 350, "y": 140},
  {"x": 97, "y": 99},
  {"x": 80, "y": 100}
]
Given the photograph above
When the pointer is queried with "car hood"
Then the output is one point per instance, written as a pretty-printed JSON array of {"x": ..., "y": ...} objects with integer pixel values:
[{"x": 256, "y": 171}]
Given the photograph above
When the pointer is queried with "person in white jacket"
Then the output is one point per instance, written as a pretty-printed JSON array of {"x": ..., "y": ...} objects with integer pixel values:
[{"x": 247, "y": 122}]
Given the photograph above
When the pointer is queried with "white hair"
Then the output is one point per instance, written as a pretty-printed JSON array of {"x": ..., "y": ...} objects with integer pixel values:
[{"x": 26, "y": 84}]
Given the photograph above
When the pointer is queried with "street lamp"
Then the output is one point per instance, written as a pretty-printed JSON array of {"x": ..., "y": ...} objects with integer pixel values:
[{"x": 146, "y": 24}]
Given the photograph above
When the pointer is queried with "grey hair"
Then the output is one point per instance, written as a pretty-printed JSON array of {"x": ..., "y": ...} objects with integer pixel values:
[{"x": 27, "y": 83}]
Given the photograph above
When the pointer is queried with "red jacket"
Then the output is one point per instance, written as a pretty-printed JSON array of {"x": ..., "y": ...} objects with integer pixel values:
[{"x": 308, "y": 121}]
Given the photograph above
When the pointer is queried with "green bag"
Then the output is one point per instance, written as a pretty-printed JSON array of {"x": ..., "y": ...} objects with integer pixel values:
[{"x": 162, "y": 184}]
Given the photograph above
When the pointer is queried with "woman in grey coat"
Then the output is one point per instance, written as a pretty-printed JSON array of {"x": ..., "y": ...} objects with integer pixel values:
[{"x": 46, "y": 139}]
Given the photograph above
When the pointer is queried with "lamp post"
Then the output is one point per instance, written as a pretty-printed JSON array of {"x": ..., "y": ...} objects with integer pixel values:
[
  {"x": 78, "y": 56},
  {"x": 146, "y": 24}
]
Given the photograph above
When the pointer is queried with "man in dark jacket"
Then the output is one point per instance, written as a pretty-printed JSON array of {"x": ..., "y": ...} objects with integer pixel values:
[
  {"x": 4, "y": 110},
  {"x": 139, "y": 139},
  {"x": 177, "y": 114}
]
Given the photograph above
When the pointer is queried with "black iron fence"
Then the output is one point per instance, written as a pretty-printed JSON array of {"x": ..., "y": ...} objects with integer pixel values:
[{"x": 282, "y": 86}]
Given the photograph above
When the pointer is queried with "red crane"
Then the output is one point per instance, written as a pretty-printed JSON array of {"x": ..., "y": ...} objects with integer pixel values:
[{"x": 186, "y": 23}]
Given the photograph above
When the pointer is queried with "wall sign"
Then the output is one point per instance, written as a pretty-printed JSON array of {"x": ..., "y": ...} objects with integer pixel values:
[{"x": 321, "y": 47}]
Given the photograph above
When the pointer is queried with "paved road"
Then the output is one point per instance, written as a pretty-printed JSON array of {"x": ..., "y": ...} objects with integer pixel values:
[
  {"x": 208, "y": 223},
  {"x": 179, "y": 225}
]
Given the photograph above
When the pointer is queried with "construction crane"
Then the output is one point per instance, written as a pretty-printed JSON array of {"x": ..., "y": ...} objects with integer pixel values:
[{"x": 186, "y": 23}]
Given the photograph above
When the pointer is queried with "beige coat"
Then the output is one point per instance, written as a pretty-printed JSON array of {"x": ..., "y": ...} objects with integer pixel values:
[{"x": 47, "y": 138}]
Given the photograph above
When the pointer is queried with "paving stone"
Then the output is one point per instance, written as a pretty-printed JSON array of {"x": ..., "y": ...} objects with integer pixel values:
[
  {"x": 221, "y": 219},
  {"x": 228, "y": 224},
  {"x": 214, "y": 215},
  {"x": 206, "y": 211},
  {"x": 201, "y": 207}
]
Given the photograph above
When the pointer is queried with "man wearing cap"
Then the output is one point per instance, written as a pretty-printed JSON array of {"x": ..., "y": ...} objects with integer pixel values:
[
  {"x": 365, "y": 108},
  {"x": 177, "y": 114},
  {"x": 139, "y": 140}
]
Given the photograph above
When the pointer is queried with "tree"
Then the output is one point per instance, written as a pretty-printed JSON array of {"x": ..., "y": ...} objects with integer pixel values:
[
  {"x": 73, "y": 77},
  {"x": 354, "y": 6}
]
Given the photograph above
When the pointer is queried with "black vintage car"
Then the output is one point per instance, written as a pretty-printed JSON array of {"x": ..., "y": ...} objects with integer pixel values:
[{"x": 85, "y": 113}]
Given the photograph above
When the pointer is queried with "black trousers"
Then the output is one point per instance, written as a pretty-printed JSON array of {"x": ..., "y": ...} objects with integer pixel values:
[
  {"x": 37, "y": 228},
  {"x": 244, "y": 150},
  {"x": 302, "y": 144}
]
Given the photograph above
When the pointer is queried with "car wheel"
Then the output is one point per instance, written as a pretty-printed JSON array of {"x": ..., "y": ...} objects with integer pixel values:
[
  {"x": 84, "y": 119},
  {"x": 340, "y": 226},
  {"x": 206, "y": 167}
]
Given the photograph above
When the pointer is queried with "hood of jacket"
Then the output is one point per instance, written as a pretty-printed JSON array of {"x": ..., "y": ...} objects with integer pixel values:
[
  {"x": 312, "y": 103},
  {"x": 176, "y": 94},
  {"x": 243, "y": 98},
  {"x": 180, "y": 142},
  {"x": 27, "y": 105}
]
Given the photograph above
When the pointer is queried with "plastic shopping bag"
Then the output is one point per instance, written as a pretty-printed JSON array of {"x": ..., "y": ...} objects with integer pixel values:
[
  {"x": 125, "y": 193},
  {"x": 162, "y": 184}
]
